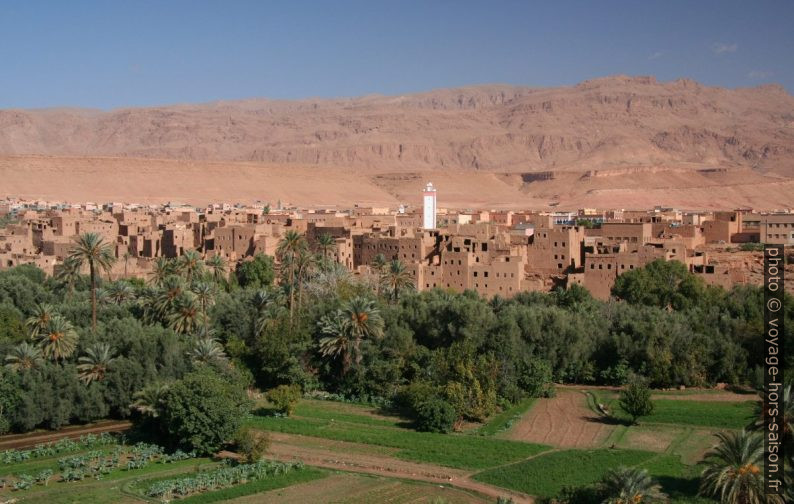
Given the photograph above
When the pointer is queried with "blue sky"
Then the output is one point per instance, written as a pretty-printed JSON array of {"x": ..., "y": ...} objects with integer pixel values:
[{"x": 113, "y": 54}]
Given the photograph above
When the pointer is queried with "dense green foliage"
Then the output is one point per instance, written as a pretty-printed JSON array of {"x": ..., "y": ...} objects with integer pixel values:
[
  {"x": 321, "y": 328},
  {"x": 202, "y": 411}
]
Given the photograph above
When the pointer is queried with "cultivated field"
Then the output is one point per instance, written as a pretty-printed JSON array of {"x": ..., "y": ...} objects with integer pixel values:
[{"x": 349, "y": 453}]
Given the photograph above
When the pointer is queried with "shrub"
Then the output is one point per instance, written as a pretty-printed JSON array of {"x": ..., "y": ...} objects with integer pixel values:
[
  {"x": 202, "y": 411},
  {"x": 285, "y": 397},
  {"x": 435, "y": 415},
  {"x": 252, "y": 443}
]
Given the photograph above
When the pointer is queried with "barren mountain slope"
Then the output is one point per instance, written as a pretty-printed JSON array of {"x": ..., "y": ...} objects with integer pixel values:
[{"x": 604, "y": 123}]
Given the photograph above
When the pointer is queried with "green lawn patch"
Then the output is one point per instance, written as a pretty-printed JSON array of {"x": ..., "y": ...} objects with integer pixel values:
[
  {"x": 717, "y": 414},
  {"x": 506, "y": 418},
  {"x": 451, "y": 450},
  {"x": 343, "y": 413},
  {"x": 546, "y": 475},
  {"x": 270, "y": 483}
]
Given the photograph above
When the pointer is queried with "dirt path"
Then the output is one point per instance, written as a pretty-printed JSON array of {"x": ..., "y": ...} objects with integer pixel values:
[
  {"x": 289, "y": 447},
  {"x": 16, "y": 441},
  {"x": 563, "y": 421}
]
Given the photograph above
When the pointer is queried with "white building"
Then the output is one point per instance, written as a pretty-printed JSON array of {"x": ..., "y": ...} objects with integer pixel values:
[{"x": 429, "y": 221}]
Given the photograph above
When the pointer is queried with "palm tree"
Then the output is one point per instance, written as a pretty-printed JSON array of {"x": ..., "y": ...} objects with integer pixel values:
[
  {"x": 217, "y": 267},
  {"x": 68, "y": 275},
  {"x": 42, "y": 314},
  {"x": 270, "y": 308},
  {"x": 304, "y": 265},
  {"x": 734, "y": 469},
  {"x": 23, "y": 357},
  {"x": 364, "y": 321},
  {"x": 172, "y": 288},
  {"x": 325, "y": 243},
  {"x": 162, "y": 269},
  {"x": 148, "y": 399},
  {"x": 191, "y": 264},
  {"x": 95, "y": 363},
  {"x": 186, "y": 316},
  {"x": 127, "y": 256},
  {"x": 89, "y": 247},
  {"x": 287, "y": 250},
  {"x": 336, "y": 341},
  {"x": 58, "y": 339},
  {"x": 205, "y": 297},
  {"x": 120, "y": 292},
  {"x": 630, "y": 486},
  {"x": 207, "y": 351},
  {"x": 379, "y": 265},
  {"x": 396, "y": 279}
]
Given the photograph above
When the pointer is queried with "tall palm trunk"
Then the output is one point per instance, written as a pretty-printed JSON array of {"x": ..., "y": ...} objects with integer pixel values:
[
  {"x": 93, "y": 294},
  {"x": 291, "y": 291}
]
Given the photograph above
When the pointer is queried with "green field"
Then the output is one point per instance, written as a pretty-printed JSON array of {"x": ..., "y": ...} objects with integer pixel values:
[
  {"x": 547, "y": 474},
  {"x": 717, "y": 414},
  {"x": 504, "y": 420},
  {"x": 460, "y": 451}
]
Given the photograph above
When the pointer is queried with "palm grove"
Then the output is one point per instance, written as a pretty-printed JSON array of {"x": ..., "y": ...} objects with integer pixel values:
[{"x": 81, "y": 346}]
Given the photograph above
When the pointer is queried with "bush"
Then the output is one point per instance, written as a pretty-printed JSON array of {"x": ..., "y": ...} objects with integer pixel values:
[
  {"x": 435, "y": 415},
  {"x": 251, "y": 443},
  {"x": 284, "y": 398},
  {"x": 202, "y": 411}
]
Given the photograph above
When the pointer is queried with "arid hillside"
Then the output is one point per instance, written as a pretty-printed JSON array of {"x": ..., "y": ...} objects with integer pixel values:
[{"x": 616, "y": 141}]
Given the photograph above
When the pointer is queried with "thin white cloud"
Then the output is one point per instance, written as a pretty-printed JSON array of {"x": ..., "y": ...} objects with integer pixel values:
[
  {"x": 723, "y": 48},
  {"x": 656, "y": 55},
  {"x": 758, "y": 74}
]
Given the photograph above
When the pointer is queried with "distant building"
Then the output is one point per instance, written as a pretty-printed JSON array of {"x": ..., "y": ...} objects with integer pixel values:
[{"x": 429, "y": 221}]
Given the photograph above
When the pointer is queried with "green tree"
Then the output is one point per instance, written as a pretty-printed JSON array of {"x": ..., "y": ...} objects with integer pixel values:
[
  {"x": 734, "y": 469},
  {"x": 202, "y": 411},
  {"x": 91, "y": 248},
  {"x": 660, "y": 283},
  {"x": 258, "y": 272},
  {"x": 434, "y": 414},
  {"x": 635, "y": 399}
]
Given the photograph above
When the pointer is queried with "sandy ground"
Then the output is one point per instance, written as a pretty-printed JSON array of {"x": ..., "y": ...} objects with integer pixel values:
[
  {"x": 76, "y": 179},
  {"x": 563, "y": 421}
]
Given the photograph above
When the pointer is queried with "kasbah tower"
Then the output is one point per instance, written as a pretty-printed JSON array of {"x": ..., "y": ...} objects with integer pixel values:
[{"x": 429, "y": 221}]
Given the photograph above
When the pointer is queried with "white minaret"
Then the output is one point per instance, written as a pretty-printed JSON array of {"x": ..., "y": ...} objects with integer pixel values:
[{"x": 430, "y": 207}]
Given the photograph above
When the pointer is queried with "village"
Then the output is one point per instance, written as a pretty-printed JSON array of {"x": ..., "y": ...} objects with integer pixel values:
[{"x": 491, "y": 252}]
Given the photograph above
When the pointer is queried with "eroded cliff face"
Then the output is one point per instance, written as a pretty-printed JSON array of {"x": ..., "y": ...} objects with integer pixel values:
[{"x": 599, "y": 124}]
